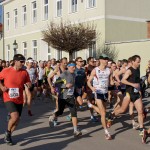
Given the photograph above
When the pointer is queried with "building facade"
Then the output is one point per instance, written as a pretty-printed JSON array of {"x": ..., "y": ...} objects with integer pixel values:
[
  {"x": 1, "y": 41},
  {"x": 119, "y": 23},
  {"x": 24, "y": 21}
]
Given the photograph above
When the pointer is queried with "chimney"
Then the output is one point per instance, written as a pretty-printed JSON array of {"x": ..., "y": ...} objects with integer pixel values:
[{"x": 148, "y": 29}]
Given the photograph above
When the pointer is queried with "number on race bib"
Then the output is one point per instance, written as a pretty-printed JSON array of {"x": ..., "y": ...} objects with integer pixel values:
[
  {"x": 70, "y": 91},
  {"x": 103, "y": 84},
  {"x": 13, "y": 92}
]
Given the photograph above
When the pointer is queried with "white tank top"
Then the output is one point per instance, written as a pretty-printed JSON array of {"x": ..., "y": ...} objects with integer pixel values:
[
  {"x": 32, "y": 74},
  {"x": 41, "y": 73},
  {"x": 101, "y": 80}
]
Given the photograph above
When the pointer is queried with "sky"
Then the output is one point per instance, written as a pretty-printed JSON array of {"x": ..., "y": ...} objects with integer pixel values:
[{"x": 0, "y": 14}]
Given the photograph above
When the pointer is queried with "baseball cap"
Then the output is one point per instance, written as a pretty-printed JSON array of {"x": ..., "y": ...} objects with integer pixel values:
[
  {"x": 71, "y": 63},
  {"x": 103, "y": 56},
  {"x": 19, "y": 57}
]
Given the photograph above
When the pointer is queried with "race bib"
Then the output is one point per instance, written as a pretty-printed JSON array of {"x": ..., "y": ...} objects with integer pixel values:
[
  {"x": 103, "y": 83},
  {"x": 136, "y": 90},
  {"x": 70, "y": 91},
  {"x": 13, "y": 92}
]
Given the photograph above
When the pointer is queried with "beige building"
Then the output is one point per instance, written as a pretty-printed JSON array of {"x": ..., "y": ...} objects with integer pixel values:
[
  {"x": 1, "y": 41},
  {"x": 122, "y": 23}
]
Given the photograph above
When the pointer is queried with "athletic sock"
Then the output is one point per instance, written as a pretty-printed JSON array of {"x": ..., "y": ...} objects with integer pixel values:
[{"x": 75, "y": 128}]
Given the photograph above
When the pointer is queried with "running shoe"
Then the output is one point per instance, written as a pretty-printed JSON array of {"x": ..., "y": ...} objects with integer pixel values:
[
  {"x": 77, "y": 133},
  {"x": 7, "y": 138},
  {"x": 141, "y": 133},
  {"x": 51, "y": 121},
  {"x": 135, "y": 126},
  {"x": 69, "y": 118},
  {"x": 55, "y": 123},
  {"x": 109, "y": 123},
  {"x": 30, "y": 113},
  {"x": 144, "y": 137},
  {"x": 94, "y": 119},
  {"x": 108, "y": 136}
]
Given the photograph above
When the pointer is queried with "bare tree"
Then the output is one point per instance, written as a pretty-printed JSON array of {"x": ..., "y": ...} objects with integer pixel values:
[
  {"x": 69, "y": 37},
  {"x": 109, "y": 50}
]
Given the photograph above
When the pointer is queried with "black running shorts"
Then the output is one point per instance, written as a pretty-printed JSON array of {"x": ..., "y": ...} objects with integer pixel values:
[
  {"x": 103, "y": 97},
  {"x": 13, "y": 107},
  {"x": 133, "y": 96}
]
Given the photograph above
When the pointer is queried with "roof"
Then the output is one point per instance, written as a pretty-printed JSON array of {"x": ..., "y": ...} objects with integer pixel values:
[{"x": 2, "y": 2}]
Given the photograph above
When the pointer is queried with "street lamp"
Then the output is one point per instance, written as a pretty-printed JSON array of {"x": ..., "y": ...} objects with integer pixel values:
[{"x": 15, "y": 46}]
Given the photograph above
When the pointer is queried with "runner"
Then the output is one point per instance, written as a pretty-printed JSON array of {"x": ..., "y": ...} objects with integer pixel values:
[
  {"x": 111, "y": 88},
  {"x": 47, "y": 70},
  {"x": 66, "y": 96},
  {"x": 120, "y": 88},
  {"x": 52, "y": 78},
  {"x": 119, "y": 75},
  {"x": 53, "y": 63},
  {"x": 90, "y": 97},
  {"x": 40, "y": 71},
  {"x": 14, "y": 80},
  {"x": 132, "y": 81},
  {"x": 30, "y": 92},
  {"x": 101, "y": 77},
  {"x": 79, "y": 80}
]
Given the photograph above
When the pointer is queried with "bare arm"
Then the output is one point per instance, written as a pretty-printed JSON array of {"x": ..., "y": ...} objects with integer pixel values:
[
  {"x": 148, "y": 78},
  {"x": 2, "y": 87},
  {"x": 118, "y": 74},
  {"x": 90, "y": 80},
  {"x": 126, "y": 76}
]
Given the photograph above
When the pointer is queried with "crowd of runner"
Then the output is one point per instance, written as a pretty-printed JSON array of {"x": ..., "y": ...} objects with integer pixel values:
[{"x": 99, "y": 83}]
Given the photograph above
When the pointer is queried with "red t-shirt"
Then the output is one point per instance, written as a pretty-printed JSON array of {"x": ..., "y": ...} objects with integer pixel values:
[{"x": 14, "y": 80}]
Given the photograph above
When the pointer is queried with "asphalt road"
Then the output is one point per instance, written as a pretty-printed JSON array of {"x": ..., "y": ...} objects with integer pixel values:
[{"x": 34, "y": 133}]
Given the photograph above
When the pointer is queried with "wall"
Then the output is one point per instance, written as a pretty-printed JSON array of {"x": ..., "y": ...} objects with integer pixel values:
[{"x": 142, "y": 48}]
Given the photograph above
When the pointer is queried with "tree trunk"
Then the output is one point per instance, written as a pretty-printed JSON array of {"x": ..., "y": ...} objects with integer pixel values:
[{"x": 70, "y": 56}]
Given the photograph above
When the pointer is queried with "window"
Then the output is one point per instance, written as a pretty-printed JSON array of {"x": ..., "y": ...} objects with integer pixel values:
[
  {"x": 24, "y": 45},
  {"x": 73, "y": 6},
  {"x": 45, "y": 9},
  {"x": 92, "y": 49},
  {"x": 24, "y": 15},
  {"x": 34, "y": 12},
  {"x": 7, "y": 21},
  {"x": 58, "y": 54},
  {"x": 49, "y": 53},
  {"x": 15, "y": 18},
  {"x": 91, "y": 3},
  {"x": 8, "y": 52},
  {"x": 34, "y": 45},
  {"x": 59, "y": 8}
]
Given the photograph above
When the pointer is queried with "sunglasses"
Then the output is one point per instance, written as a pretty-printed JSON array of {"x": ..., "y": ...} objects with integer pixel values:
[
  {"x": 106, "y": 58},
  {"x": 80, "y": 61},
  {"x": 22, "y": 61}
]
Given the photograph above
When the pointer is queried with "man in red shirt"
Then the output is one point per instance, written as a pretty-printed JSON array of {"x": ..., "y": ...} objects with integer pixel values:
[{"x": 15, "y": 78}]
